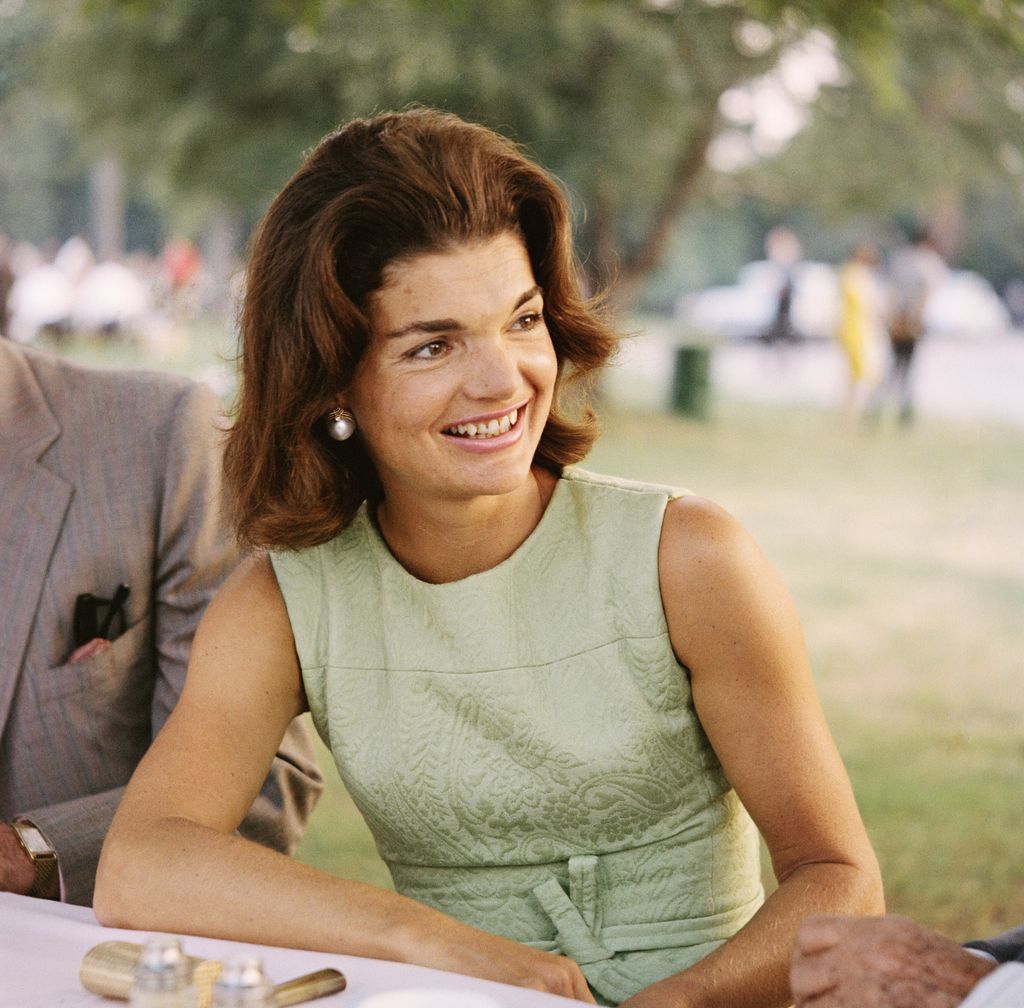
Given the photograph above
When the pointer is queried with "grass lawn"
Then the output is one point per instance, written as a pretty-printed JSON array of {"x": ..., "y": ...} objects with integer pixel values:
[{"x": 905, "y": 552}]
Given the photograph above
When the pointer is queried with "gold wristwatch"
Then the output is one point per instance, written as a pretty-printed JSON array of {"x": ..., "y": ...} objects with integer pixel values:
[{"x": 44, "y": 857}]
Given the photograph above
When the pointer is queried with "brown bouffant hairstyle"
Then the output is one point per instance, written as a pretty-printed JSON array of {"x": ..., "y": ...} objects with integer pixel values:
[{"x": 376, "y": 191}]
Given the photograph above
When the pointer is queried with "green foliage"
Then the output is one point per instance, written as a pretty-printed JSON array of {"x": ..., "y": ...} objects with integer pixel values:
[
  {"x": 212, "y": 102},
  {"x": 949, "y": 152},
  {"x": 210, "y": 97}
]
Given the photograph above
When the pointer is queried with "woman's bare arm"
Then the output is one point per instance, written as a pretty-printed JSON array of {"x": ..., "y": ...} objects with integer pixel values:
[{"x": 734, "y": 626}]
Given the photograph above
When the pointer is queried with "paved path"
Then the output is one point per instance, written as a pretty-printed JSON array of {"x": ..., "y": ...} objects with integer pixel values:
[{"x": 981, "y": 379}]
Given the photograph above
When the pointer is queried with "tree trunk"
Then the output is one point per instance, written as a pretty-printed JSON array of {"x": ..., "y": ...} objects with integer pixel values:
[
  {"x": 946, "y": 224},
  {"x": 686, "y": 174},
  {"x": 107, "y": 208},
  {"x": 221, "y": 247}
]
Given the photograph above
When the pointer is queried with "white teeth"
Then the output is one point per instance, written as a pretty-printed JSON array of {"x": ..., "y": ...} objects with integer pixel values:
[{"x": 486, "y": 428}]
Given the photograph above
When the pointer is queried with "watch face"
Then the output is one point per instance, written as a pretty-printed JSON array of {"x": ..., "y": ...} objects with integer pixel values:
[{"x": 33, "y": 840}]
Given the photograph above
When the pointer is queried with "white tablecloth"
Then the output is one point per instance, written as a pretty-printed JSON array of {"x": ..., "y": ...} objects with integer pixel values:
[{"x": 42, "y": 944}]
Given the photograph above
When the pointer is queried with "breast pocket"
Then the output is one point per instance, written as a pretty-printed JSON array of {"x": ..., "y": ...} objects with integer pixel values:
[
  {"x": 101, "y": 672},
  {"x": 106, "y": 697},
  {"x": 82, "y": 726}
]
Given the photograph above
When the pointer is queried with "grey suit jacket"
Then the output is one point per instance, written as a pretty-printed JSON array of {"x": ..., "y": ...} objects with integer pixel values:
[{"x": 108, "y": 477}]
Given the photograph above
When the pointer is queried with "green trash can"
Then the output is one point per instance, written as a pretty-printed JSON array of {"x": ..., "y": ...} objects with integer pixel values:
[{"x": 691, "y": 381}]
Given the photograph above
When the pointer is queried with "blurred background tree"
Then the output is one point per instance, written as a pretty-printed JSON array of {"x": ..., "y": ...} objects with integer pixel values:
[{"x": 683, "y": 128}]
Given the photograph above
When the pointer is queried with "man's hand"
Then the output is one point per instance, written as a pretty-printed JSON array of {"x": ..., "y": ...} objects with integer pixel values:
[
  {"x": 17, "y": 873},
  {"x": 879, "y": 962}
]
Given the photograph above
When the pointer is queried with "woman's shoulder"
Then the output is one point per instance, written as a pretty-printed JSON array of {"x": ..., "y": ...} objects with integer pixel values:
[
  {"x": 613, "y": 510},
  {"x": 706, "y": 553},
  {"x": 702, "y": 536},
  {"x": 694, "y": 524},
  {"x": 248, "y": 598}
]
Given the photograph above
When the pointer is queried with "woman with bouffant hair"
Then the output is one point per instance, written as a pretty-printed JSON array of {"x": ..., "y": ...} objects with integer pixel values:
[
  {"x": 377, "y": 191},
  {"x": 561, "y": 701}
]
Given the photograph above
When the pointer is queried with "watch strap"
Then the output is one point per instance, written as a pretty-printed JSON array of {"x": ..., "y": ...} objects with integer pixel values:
[{"x": 43, "y": 862}]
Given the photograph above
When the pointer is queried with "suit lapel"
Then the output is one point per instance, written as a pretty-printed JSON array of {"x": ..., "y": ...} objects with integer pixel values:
[{"x": 33, "y": 503}]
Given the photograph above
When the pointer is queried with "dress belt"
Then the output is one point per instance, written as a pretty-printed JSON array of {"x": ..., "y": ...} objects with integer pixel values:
[{"x": 576, "y": 916}]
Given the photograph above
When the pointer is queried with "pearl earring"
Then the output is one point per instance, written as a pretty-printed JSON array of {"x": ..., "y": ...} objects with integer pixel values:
[{"x": 341, "y": 424}]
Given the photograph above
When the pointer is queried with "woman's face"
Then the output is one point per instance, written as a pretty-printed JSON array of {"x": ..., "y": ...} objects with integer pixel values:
[{"x": 455, "y": 386}]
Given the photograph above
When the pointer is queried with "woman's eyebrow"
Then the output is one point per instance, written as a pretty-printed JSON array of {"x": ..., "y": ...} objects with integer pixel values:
[
  {"x": 529, "y": 296},
  {"x": 453, "y": 325},
  {"x": 432, "y": 326}
]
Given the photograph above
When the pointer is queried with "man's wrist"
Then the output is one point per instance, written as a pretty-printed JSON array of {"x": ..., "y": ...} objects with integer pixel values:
[{"x": 17, "y": 873}]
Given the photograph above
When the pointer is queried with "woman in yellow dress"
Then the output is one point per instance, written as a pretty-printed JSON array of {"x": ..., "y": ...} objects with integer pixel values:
[{"x": 860, "y": 327}]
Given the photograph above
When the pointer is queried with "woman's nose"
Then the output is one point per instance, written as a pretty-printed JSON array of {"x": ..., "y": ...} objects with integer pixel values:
[{"x": 494, "y": 370}]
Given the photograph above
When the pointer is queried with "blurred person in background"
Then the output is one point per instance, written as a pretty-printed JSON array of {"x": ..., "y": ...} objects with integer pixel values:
[
  {"x": 41, "y": 298},
  {"x": 182, "y": 266},
  {"x": 111, "y": 300},
  {"x": 784, "y": 251},
  {"x": 915, "y": 270},
  {"x": 113, "y": 544},
  {"x": 893, "y": 962},
  {"x": 560, "y": 700},
  {"x": 860, "y": 327}
]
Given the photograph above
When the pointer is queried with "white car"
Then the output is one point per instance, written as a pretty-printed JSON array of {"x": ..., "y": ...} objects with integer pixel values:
[{"x": 965, "y": 305}]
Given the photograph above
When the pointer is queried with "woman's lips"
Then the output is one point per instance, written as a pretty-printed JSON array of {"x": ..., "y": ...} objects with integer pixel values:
[
  {"x": 488, "y": 433},
  {"x": 485, "y": 429}
]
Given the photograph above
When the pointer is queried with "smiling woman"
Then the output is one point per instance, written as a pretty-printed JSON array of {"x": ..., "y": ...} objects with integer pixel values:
[{"x": 561, "y": 701}]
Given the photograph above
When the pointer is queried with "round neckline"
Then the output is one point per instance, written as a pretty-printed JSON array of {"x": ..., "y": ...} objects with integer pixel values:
[{"x": 387, "y": 559}]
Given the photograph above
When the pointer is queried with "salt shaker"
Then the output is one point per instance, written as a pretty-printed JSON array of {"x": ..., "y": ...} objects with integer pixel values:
[
  {"x": 243, "y": 984},
  {"x": 163, "y": 977}
]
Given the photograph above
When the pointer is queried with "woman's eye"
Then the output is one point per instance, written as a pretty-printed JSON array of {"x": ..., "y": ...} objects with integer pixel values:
[
  {"x": 528, "y": 321},
  {"x": 432, "y": 349}
]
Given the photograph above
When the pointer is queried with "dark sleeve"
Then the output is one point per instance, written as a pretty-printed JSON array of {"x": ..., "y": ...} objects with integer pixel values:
[{"x": 1007, "y": 947}]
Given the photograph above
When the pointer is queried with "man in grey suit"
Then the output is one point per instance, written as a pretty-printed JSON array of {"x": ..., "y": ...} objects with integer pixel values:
[{"x": 109, "y": 487}]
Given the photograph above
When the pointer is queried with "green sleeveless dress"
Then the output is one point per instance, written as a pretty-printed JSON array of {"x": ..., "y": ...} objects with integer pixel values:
[{"x": 523, "y": 743}]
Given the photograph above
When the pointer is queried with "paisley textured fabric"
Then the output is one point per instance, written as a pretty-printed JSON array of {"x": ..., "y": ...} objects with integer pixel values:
[{"x": 523, "y": 743}]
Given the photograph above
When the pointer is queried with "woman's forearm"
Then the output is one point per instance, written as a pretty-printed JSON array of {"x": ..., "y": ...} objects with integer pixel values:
[
  {"x": 751, "y": 970},
  {"x": 178, "y": 876}
]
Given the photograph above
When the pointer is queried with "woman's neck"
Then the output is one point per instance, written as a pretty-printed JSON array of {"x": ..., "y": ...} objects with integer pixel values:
[{"x": 451, "y": 540}]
